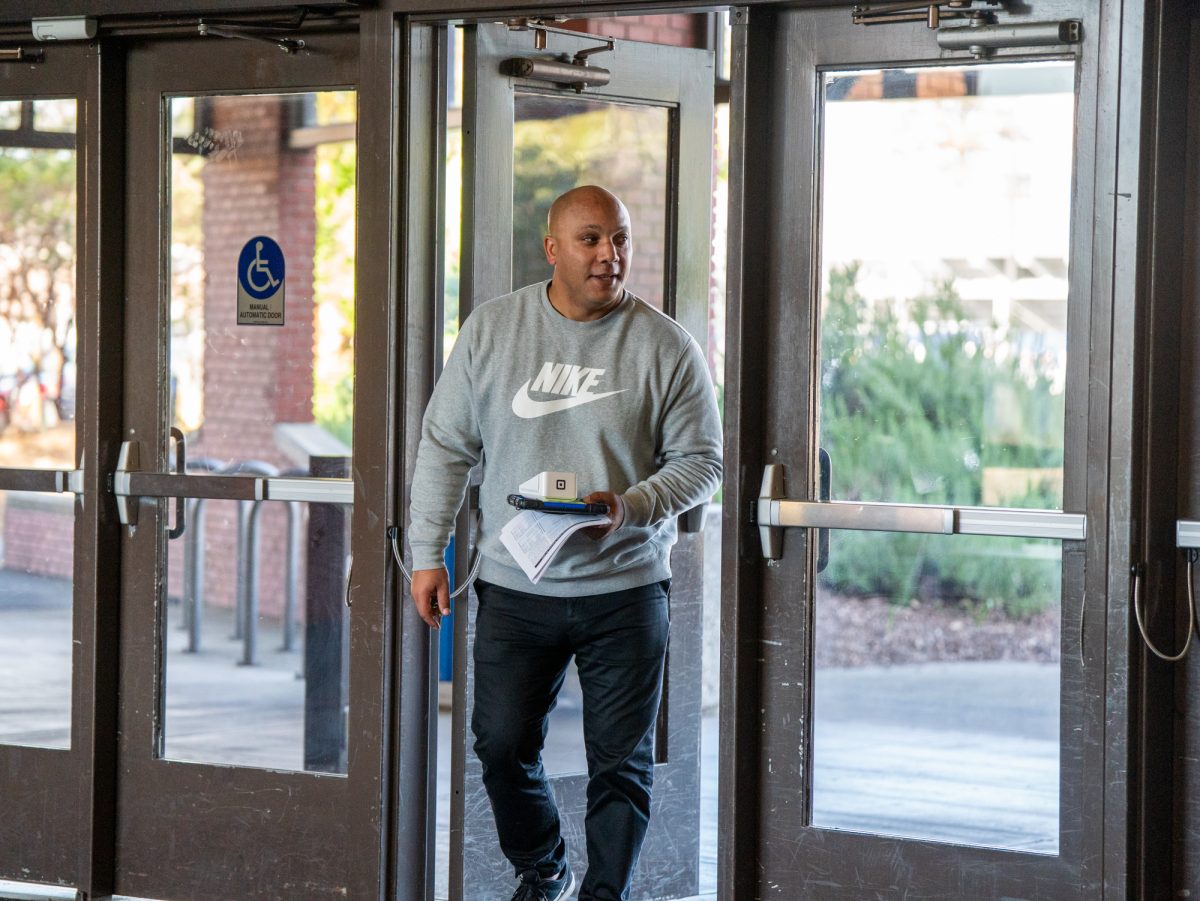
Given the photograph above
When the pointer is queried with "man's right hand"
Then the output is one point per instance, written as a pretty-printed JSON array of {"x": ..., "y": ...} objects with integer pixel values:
[{"x": 431, "y": 593}]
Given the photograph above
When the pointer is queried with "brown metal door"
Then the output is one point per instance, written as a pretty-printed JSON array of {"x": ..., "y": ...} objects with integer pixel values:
[
  {"x": 49, "y": 515},
  {"x": 252, "y": 728},
  {"x": 647, "y": 134},
  {"x": 916, "y": 227}
]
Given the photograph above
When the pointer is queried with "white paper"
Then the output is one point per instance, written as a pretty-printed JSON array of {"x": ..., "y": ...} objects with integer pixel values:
[{"x": 534, "y": 538}]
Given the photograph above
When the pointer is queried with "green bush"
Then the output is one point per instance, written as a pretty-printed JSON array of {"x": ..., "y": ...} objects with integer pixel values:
[{"x": 914, "y": 411}]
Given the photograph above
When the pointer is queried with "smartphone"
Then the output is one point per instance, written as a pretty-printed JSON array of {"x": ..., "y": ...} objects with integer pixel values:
[{"x": 532, "y": 503}]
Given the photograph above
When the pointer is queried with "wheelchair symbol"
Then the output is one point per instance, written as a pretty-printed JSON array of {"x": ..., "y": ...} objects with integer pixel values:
[{"x": 258, "y": 266}]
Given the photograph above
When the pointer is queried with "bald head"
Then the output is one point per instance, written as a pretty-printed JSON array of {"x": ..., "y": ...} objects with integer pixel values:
[
  {"x": 590, "y": 246},
  {"x": 582, "y": 199}
]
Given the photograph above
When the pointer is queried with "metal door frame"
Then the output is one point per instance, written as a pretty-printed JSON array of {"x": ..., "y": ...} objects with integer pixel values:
[
  {"x": 770, "y": 45},
  {"x": 639, "y": 75},
  {"x": 330, "y": 837},
  {"x": 62, "y": 833}
]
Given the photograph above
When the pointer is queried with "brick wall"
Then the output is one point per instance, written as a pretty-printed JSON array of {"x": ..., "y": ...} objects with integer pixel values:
[
  {"x": 677, "y": 30},
  {"x": 39, "y": 533}
]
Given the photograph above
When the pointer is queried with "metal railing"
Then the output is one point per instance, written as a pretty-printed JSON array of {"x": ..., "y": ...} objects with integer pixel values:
[{"x": 248, "y": 562}]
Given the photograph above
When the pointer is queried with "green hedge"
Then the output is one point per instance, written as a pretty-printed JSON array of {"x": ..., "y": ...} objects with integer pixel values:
[{"x": 914, "y": 411}]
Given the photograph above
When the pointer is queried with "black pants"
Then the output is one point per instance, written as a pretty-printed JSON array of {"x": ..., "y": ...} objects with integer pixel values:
[{"x": 523, "y": 643}]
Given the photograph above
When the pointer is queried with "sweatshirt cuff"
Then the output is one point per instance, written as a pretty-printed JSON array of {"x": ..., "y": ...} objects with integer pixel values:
[
  {"x": 637, "y": 509},
  {"x": 427, "y": 556}
]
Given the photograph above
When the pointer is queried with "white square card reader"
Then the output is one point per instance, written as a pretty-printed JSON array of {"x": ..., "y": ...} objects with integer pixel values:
[{"x": 550, "y": 486}]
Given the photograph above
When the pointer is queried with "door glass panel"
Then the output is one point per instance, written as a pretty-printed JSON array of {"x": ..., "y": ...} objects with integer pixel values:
[
  {"x": 945, "y": 231},
  {"x": 936, "y": 689},
  {"x": 285, "y": 710},
  {"x": 36, "y": 558},
  {"x": 37, "y": 409},
  {"x": 276, "y": 170},
  {"x": 262, "y": 223},
  {"x": 37, "y": 284},
  {"x": 562, "y": 142}
]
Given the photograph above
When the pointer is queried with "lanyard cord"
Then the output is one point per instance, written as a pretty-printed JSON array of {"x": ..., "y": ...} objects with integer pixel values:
[
  {"x": 1137, "y": 609},
  {"x": 393, "y": 534}
]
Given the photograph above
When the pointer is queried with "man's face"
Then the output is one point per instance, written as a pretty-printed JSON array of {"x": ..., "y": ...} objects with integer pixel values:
[{"x": 590, "y": 248}]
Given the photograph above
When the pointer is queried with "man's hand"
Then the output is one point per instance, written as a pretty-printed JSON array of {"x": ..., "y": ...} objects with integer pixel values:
[
  {"x": 430, "y": 591},
  {"x": 616, "y": 513}
]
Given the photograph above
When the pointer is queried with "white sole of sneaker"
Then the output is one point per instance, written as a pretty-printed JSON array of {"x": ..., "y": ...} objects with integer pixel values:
[{"x": 567, "y": 892}]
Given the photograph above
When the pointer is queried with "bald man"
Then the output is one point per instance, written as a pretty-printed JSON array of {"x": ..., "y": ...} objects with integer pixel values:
[{"x": 578, "y": 375}]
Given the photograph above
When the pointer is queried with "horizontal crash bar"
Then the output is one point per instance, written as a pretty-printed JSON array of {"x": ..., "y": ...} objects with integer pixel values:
[
  {"x": 925, "y": 519},
  {"x": 50, "y": 480},
  {"x": 36, "y": 891},
  {"x": 164, "y": 484},
  {"x": 234, "y": 487},
  {"x": 1187, "y": 533},
  {"x": 867, "y": 517},
  {"x": 1020, "y": 523},
  {"x": 312, "y": 491}
]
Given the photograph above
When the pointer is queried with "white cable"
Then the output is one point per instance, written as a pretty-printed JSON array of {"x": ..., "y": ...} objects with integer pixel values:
[
  {"x": 407, "y": 575},
  {"x": 1137, "y": 613}
]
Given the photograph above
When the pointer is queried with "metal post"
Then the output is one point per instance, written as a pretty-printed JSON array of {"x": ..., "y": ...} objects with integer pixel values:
[
  {"x": 193, "y": 559},
  {"x": 291, "y": 587},
  {"x": 189, "y": 570},
  {"x": 193, "y": 586},
  {"x": 239, "y": 608},
  {"x": 250, "y": 597},
  {"x": 324, "y": 626},
  {"x": 292, "y": 576},
  {"x": 247, "y": 568}
]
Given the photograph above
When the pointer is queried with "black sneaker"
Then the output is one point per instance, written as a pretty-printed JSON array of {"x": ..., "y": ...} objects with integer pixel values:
[{"x": 536, "y": 887}]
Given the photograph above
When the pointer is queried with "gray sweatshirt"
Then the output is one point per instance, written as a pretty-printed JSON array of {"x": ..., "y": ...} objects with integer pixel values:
[{"x": 624, "y": 402}]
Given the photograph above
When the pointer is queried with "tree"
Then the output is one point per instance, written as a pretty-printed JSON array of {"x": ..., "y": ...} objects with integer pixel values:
[{"x": 37, "y": 261}]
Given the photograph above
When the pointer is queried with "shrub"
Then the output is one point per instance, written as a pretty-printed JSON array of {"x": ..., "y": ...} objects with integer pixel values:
[{"x": 914, "y": 411}]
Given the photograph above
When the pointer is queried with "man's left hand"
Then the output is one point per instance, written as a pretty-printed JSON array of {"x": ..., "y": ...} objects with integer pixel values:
[{"x": 616, "y": 513}]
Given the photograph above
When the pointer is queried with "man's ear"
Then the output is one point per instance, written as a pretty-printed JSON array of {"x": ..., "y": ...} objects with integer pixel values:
[{"x": 551, "y": 247}]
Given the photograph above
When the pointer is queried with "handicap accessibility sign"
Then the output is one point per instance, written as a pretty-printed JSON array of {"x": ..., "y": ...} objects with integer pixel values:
[{"x": 260, "y": 280}]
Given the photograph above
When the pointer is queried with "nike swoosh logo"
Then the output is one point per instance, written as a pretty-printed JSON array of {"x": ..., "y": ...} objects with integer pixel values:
[{"x": 528, "y": 408}]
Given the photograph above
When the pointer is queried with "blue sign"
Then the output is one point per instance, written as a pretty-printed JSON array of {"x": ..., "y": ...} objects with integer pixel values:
[
  {"x": 260, "y": 267},
  {"x": 260, "y": 279}
]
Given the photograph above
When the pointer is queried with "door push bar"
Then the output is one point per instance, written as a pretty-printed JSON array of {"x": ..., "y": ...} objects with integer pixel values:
[
  {"x": 54, "y": 481},
  {"x": 1187, "y": 534},
  {"x": 774, "y": 512},
  {"x": 129, "y": 484}
]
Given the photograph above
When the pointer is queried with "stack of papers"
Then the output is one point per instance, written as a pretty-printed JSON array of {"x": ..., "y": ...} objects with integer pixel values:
[{"x": 534, "y": 538}]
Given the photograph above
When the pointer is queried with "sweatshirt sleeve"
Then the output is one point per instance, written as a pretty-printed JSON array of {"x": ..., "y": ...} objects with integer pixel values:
[
  {"x": 690, "y": 447},
  {"x": 450, "y": 445}
]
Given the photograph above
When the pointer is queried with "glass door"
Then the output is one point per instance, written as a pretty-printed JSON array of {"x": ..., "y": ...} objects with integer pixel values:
[
  {"x": 644, "y": 130},
  {"x": 928, "y": 690},
  {"x": 47, "y": 520},
  {"x": 246, "y": 722}
]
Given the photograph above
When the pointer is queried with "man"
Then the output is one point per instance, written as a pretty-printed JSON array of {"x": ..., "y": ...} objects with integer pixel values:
[{"x": 574, "y": 375}]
